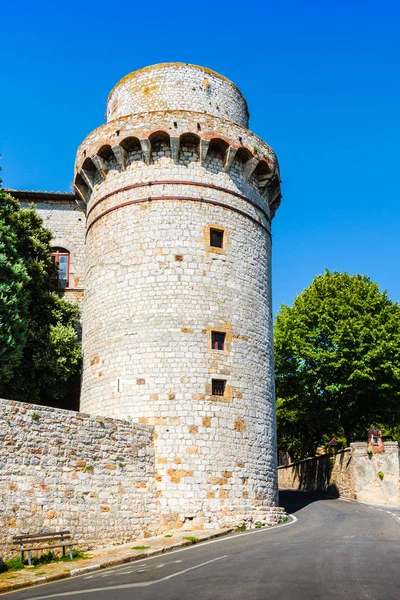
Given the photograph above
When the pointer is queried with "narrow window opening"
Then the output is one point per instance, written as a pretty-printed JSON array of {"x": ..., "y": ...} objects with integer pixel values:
[
  {"x": 218, "y": 387},
  {"x": 218, "y": 340},
  {"x": 60, "y": 258},
  {"x": 216, "y": 238}
]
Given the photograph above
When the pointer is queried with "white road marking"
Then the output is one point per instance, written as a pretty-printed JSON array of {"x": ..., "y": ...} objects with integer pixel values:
[
  {"x": 381, "y": 509},
  {"x": 216, "y": 541},
  {"x": 126, "y": 586},
  {"x": 187, "y": 549},
  {"x": 131, "y": 568}
]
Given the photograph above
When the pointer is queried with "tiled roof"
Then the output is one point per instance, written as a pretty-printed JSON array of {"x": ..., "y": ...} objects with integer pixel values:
[{"x": 38, "y": 194}]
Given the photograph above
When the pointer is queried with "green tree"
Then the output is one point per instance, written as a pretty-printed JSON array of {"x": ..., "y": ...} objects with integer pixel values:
[
  {"x": 40, "y": 355},
  {"x": 337, "y": 361}
]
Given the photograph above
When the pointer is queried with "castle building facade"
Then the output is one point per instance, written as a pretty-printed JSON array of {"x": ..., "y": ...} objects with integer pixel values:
[{"x": 172, "y": 219}]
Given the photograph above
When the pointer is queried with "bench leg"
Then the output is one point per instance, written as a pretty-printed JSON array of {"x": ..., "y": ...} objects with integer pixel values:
[
  {"x": 63, "y": 550},
  {"x": 22, "y": 555},
  {"x": 29, "y": 558},
  {"x": 70, "y": 552}
]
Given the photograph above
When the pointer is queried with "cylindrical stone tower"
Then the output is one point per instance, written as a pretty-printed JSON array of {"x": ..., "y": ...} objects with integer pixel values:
[{"x": 177, "y": 329}]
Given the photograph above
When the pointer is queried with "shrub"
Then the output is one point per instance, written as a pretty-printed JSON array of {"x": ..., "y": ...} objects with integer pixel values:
[{"x": 14, "y": 564}]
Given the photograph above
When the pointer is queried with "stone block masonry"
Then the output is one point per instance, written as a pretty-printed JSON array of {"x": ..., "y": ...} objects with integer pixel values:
[
  {"x": 369, "y": 486},
  {"x": 66, "y": 221},
  {"x": 179, "y": 200},
  {"x": 65, "y": 470},
  {"x": 351, "y": 473},
  {"x": 330, "y": 474}
]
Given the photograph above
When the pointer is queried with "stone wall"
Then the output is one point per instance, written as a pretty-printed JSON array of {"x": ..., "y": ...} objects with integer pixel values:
[
  {"x": 351, "y": 473},
  {"x": 331, "y": 474},
  {"x": 66, "y": 470},
  {"x": 66, "y": 221},
  {"x": 368, "y": 485},
  {"x": 172, "y": 86}
]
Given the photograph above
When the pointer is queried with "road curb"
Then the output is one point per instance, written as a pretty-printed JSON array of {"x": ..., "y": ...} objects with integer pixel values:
[
  {"x": 12, "y": 587},
  {"x": 74, "y": 572}
]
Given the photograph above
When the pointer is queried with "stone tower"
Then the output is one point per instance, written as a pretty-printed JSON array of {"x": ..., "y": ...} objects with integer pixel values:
[{"x": 177, "y": 333}]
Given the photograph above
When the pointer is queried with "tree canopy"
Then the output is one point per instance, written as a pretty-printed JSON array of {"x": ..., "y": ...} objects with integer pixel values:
[
  {"x": 337, "y": 362},
  {"x": 40, "y": 354}
]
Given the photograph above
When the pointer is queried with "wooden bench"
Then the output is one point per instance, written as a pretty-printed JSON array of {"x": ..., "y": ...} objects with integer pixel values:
[{"x": 51, "y": 539}]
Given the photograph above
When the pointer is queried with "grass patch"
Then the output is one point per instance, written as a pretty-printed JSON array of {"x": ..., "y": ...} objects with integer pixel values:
[
  {"x": 76, "y": 554},
  {"x": 16, "y": 564},
  {"x": 45, "y": 559},
  {"x": 168, "y": 535},
  {"x": 191, "y": 538},
  {"x": 140, "y": 547},
  {"x": 241, "y": 528}
]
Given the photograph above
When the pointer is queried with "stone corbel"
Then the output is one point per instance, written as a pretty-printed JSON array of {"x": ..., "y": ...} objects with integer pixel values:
[
  {"x": 87, "y": 178},
  {"x": 204, "y": 145},
  {"x": 275, "y": 202},
  {"x": 101, "y": 165},
  {"x": 174, "y": 142},
  {"x": 120, "y": 156},
  {"x": 229, "y": 157},
  {"x": 265, "y": 180},
  {"x": 249, "y": 167},
  {"x": 82, "y": 196},
  {"x": 146, "y": 149}
]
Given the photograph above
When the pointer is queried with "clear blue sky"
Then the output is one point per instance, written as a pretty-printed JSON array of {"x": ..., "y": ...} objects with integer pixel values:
[{"x": 323, "y": 85}]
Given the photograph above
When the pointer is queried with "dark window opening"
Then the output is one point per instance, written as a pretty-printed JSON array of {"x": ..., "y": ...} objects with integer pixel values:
[
  {"x": 60, "y": 257},
  {"x": 218, "y": 387},
  {"x": 218, "y": 340},
  {"x": 216, "y": 238}
]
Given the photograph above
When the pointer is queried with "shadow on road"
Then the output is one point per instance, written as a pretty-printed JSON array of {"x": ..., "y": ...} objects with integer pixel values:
[{"x": 293, "y": 501}]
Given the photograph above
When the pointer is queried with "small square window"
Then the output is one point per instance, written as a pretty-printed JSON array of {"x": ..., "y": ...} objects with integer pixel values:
[
  {"x": 375, "y": 440},
  {"x": 216, "y": 238},
  {"x": 218, "y": 340},
  {"x": 218, "y": 387}
]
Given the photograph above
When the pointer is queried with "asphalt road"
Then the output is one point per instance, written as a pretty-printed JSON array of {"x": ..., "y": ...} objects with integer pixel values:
[{"x": 331, "y": 549}]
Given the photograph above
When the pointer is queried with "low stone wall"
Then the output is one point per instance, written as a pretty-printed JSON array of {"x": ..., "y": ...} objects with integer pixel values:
[
  {"x": 331, "y": 474},
  {"x": 65, "y": 470},
  {"x": 351, "y": 473}
]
